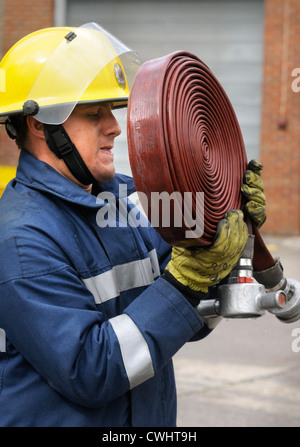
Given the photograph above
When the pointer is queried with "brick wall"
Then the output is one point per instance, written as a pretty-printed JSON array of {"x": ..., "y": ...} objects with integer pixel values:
[
  {"x": 1, "y": 23},
  {"x": 280, "y": 135},
  {"x": 19, "y": 18}
]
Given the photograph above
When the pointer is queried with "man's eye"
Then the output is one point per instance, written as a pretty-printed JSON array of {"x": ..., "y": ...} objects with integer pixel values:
[{"x": 93, "y": 116}]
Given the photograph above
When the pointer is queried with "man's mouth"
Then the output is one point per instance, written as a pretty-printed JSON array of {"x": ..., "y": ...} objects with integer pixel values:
[{"x": 107, "y": 149}]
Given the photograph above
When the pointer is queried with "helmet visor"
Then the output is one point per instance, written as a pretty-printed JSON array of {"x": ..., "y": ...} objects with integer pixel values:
[{"x": 73, "y": 65}]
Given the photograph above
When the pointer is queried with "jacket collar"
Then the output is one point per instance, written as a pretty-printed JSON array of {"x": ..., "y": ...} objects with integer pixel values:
[{"x": 38, "y": 175}]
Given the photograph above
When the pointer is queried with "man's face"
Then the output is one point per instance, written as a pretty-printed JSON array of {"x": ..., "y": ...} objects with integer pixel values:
[{"x": 93, "y": 128}]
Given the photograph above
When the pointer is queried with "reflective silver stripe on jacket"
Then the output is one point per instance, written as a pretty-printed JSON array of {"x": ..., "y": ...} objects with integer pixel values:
[
  {"x": 134, "y": 349},
  {"x": 2, "y": 341},
  {"x": 123, "y": 277}
]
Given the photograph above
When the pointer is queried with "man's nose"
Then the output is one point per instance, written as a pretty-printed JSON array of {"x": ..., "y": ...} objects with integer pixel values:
[{"x": 112, "y": 125}]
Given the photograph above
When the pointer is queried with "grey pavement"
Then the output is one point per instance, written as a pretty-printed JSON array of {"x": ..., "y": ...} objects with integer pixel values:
[{"x": 244, "y": 374}]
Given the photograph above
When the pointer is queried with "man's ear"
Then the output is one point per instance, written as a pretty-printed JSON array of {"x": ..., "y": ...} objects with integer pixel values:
[{"x": 35, "y": 127}]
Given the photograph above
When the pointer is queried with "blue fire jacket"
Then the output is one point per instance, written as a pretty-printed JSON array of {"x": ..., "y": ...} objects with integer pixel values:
[{"x": 88, "y": 327}]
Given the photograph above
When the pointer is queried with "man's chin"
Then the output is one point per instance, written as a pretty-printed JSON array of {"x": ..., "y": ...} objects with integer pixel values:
[{"x": 105, "y": 177}]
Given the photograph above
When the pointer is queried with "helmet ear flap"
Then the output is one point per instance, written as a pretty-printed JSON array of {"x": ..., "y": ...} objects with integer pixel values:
[
  {"x": 11, "y": 130},
  {"x": 16, "y": 129}
]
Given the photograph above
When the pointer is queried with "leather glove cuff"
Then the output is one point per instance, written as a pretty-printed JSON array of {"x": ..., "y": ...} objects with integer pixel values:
[{"x": 191, "y": 295}]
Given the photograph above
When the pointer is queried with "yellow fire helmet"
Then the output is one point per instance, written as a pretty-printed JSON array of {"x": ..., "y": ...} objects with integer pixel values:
[{"x": 48, "y": 72}]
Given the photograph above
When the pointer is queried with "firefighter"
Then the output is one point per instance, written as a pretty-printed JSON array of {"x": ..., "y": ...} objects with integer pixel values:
[{"x": 90, "y": 316}]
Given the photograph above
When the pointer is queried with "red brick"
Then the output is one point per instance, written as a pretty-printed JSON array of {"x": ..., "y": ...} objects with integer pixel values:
[
  {"x": 280, "y": 148},
  {"x": 20, "y": 17}
]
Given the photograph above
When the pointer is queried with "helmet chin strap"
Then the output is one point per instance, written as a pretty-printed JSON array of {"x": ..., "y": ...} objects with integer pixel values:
[{"x": 61, "y": 144}]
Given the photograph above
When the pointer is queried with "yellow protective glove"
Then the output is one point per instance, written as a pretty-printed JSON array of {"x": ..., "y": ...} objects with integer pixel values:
[
  {"x": 253, "y": 191},
  {"x": 200, "y": 268}
]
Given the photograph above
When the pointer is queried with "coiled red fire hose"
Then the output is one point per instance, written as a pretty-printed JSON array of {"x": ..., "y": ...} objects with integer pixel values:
[{"x": 183, "y": 136}]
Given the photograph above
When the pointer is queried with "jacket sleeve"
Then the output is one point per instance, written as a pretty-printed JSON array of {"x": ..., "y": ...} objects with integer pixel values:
[{"x": 52, "y": 320}]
